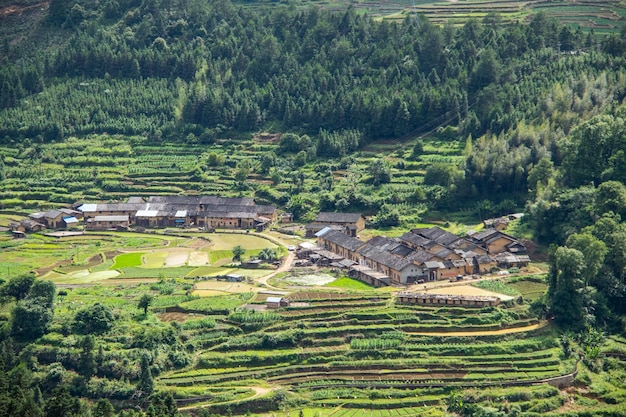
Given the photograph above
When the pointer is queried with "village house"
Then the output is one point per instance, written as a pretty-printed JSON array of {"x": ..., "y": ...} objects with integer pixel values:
[
  {"x": 369, "y": 276},
  {"x": 417, "y": 256},
  {"x": 350, "y": 223},
  {"x": 495, "y": 242},
  {"x": 276, "y": 302},
  {"x": 184, "y": 211},
  {"x": 27, "y": 225},
  {"x": 339, "y": 243},
  {"x": 106, "y": 222},
  {"x": 53, "y": 219},
  {"x": 446, "y": 299}
]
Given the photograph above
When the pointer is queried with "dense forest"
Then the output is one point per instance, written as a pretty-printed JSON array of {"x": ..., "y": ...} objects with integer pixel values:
[{"x": 538, "y": 108}]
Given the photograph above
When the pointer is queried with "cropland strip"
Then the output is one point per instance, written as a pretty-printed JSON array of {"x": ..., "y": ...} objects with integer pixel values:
[{"x": 523, "y": 329}]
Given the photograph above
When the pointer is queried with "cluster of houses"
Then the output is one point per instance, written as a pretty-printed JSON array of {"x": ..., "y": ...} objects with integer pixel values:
[
  {"x": 208, "y": 212},
  {"x": 420, "y": 255},
  {"x": 63, "y": 218}
]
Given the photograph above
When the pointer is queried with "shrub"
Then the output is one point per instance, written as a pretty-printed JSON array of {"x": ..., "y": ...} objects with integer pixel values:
[{"x": 94, "y": 319}]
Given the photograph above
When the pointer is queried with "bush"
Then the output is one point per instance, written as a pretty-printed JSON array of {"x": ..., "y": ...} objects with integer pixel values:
[{"x": 94, "y": 319}]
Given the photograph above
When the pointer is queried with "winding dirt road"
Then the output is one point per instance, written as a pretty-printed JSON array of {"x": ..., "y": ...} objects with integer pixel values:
[{"x": 258, "y": 392}]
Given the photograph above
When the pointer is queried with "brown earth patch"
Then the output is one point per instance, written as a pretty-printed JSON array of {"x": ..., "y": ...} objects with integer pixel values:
[
  {"x": 17, "y": 9},
  {"x": 197, "y": 243},
  {"x": 266, "y": 137},
  {"x": 43, "y": 271},
  {"x": 112, "y": 254},
  {"x": 178, "y": 317}
]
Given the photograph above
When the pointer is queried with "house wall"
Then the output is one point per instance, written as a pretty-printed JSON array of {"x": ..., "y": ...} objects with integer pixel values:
[
  {"x": 360, "y": 224},
  {"x": 485, "y": 268},
  {"x": 367, "y": 279},
  {"x": 56, "y": 223},
  {"x": 410, "y": 271},
  {"x": 105, "y": 225},
  {"x": 498, "y": 245},
  {"x": 447, "y": 301}
]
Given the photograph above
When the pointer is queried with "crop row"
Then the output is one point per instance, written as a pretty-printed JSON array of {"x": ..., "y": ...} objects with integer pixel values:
[{"x": 286, "y": 374}]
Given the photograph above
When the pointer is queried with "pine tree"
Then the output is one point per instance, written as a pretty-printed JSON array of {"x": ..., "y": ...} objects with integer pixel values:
[{"x": 146, "y": 382}]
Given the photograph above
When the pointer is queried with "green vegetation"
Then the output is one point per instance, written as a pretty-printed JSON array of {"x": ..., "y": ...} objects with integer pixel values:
[
  {"x": 311, "y": 106},
  {"x": 127, "y": 260},
  {"x": 498, "y": 286},
  {"x": 349, "y": 351},
  {"x": 349, "y": 284}
]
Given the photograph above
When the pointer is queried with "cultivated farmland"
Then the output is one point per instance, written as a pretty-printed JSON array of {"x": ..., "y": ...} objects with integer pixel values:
[
  {"x": 601, "y": 16},
  {"x": 340, "y": 350}
]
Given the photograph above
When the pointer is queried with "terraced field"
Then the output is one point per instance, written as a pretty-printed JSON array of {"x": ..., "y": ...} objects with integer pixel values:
[
  {"x": 345, "y": 351},
  {"x": 601, "y": 16}
]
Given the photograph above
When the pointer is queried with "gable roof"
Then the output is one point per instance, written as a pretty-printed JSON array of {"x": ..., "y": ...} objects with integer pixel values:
[
  {"x": 438, "y": 235},
  {"x": 486, "y": 235},
  {"x": 197, "y": 200},
  {"x": 342, "y": 239},
  {"x": 417, "y": 240},
  {"x": 330, "y": 217},
  {"x": 52, "y": 214}
]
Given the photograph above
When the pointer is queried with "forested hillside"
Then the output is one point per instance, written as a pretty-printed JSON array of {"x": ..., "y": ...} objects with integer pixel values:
[
  {"x": 309, "y": 109},
  {"x": 196, "y": 73}
]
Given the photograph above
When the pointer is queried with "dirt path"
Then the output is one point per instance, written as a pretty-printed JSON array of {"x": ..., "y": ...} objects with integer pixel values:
[
  {"x": 284, "y": 267},
  {"x": 484, "y": 332},
  {"x": 258, "y": 392}
]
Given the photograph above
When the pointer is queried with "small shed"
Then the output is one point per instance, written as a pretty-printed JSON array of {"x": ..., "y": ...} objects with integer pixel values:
[
  {"x": 234, "y": 278},
  {"x": 70, "y": 221},
  {"x": 252, "y": 264},
  {"x": 18, "y": 234},
  {"x": 277, "y": 302}
]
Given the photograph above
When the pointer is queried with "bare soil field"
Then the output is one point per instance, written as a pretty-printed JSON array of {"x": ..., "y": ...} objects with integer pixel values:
[
  {"x": 198, "y": 259},
  {"x": 176, "y": 257},
  {"x": 232, "y": 287},
  {"x": 179, "y": 317},
  {"x": 468, "y": 290}
]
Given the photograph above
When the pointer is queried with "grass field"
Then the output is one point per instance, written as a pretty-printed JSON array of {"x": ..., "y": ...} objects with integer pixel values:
[
  {"x": 128, "y": 260},
  {"x": 349, "y": 284}
]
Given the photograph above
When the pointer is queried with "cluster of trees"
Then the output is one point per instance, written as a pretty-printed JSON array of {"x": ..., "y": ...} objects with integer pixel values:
[
  {"x": 579, "y": 208},
  {"x": 37, "y": 382},
  {"x": 223, "y": 67}
]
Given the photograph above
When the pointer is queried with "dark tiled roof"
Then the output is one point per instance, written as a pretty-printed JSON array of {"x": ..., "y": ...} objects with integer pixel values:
[
  {"x": 384, "y": 243},
  {"x": 438, "y": 235},
  {"x": 416, "y": 240},
  {"x": 200, "y": 200},
  {"x": 343, "y": 240},
  {"x": 402, "y": 250},
  {"x": 443, "y": 253},
  {"x": 485, "y": 235},
  {"x": 120, "y": 207},
  {"x": 383, "y": 257},
  {"x": 421, "y": 256},
  {"x": 52, "y": 214},
  {"x": 329, "y": 217}
]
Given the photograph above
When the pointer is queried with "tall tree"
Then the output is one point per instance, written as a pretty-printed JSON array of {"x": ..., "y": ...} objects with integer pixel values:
[
  {"x": 87, "y": 366},
  {"x": 238, "y": 252},
  {"x": 146, "y": 382},
  {"x": 566, "y": 303},
  {"x": 144, "y": 302}
]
